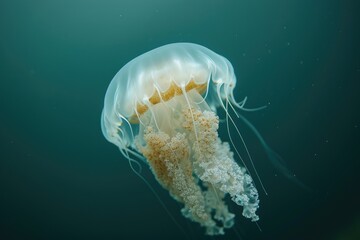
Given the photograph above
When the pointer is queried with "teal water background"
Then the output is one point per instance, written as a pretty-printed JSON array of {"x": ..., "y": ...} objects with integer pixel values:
[{"x": 60, "y": 179}]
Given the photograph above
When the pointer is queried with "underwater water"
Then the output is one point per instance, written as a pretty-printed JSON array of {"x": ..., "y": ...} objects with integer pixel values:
[{"x": 61, "y": 179}]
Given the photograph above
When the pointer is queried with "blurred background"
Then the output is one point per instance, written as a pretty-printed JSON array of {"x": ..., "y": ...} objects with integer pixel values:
[{"x": 60, "y": 179}]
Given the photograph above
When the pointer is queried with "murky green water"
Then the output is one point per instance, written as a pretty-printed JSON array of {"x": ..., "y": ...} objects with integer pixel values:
[{"x": 60, "y": 179}]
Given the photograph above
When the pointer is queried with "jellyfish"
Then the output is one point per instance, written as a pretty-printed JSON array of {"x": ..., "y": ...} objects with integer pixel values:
[{"x": 161, "y": 107}]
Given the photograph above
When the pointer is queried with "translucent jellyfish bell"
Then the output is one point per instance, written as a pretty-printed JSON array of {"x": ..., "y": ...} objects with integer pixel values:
[{"x": 161, "y": 106}]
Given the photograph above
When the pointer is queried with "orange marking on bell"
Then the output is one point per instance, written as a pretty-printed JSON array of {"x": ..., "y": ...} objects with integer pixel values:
[{"x": 172, "y": 91}]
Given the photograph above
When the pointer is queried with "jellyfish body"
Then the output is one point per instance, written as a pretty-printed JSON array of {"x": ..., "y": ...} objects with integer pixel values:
[{"x": 162, "y": 106}]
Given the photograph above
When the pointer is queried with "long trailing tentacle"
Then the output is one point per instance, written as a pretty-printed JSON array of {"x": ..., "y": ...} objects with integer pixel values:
[
  {"x": 246, "y": 148},
  {"x": 228, "y": 117}
]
